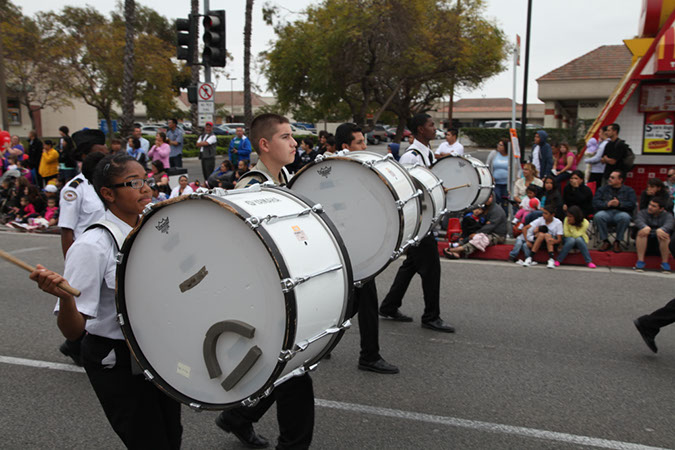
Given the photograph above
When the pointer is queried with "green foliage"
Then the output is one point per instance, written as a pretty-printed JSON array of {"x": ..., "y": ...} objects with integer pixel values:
[{"x": 488, "y": 137}]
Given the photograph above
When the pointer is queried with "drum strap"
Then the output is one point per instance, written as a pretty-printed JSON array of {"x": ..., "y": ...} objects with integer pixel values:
[
  {"x": 284, "y": 175},
  {"x": 419, "y": 153},
  {"x": 113, "y": 229}
]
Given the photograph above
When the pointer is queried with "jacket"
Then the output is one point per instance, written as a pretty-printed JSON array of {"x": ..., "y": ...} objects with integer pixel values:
[
  {"x": 625, "y": 195},
  {"x": 664, "y": 221},
  {"x": 49, "y": 163},
  {"x": 495, "y": 221},
  {"x": 545, "y": 155},
  {"x": 581, "y": 197}
]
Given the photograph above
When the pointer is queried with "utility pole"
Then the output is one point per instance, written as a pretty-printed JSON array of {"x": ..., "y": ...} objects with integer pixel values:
[
  {"x": 4, "y": 111},
  {"x": 523, "y": 125}
]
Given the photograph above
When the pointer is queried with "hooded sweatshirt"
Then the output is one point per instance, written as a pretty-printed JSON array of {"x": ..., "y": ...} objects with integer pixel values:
[{"x": 545, "y": 155}]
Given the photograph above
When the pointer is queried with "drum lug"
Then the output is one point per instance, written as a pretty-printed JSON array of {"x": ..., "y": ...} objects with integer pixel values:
[
  {"x": 319, "y": 158},
  {"x": 287, "y": 355},
  {"x": 147, "y": 208},
  {"x": 118, "y": 258},
  {"x": 253, "y": 222},
  {"x": 196, "y": 406},
  {"x": 148, "y": 376},
  {"x": 120, "y": 319},
  {"x": 401, "y": 203},
  {"x": 288, "y": 284}
]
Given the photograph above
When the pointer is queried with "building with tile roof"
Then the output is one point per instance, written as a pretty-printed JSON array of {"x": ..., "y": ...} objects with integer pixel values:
[{"x": 474, "y": 112}]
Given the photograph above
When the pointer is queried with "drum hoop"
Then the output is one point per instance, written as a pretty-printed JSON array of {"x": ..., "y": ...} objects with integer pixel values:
[
  {"x": 134, "y": 348},
  {"x": 435, "y": 214}
]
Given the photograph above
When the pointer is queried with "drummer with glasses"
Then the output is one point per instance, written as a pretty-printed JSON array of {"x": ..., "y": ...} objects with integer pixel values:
[
  {"x": 272, "y": 138},
  {"x": 422, "y": 259}
]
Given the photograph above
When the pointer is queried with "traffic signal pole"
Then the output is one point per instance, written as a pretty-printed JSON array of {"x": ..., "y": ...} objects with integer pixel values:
[{"x": 207, "y": 67}]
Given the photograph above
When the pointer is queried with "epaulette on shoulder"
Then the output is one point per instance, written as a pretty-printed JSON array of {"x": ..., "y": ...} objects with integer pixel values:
[{"x": 75, "y": 183}]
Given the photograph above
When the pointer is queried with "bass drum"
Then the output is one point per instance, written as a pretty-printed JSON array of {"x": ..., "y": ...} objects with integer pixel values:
[
  {"x": 433, "y": 200},
  {"x": 467, "y": 181},
  {"x": 372, "y": 201},
  {"x": 222, "y": 297}
]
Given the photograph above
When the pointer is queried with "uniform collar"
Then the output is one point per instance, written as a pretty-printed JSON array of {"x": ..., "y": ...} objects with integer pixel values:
[
  {"x": 260, "y": 167},
  {"x": 123, "y": 226}
]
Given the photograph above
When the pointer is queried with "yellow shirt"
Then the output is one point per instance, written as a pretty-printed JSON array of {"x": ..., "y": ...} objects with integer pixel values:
[
  {"x": 49, "y": 163},
  {"x": 575, "y": 232}
]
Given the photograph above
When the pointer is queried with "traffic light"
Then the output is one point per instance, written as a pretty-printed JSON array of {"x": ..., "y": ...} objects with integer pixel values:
[
  {"x": 186, "y": 35},
  {"x": 214, "y": 39}
]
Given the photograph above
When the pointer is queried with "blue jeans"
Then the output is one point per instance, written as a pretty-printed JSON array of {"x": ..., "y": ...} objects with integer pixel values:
[
  {"x": 501, "y": 191},
  {"x": 569, "y": 244},
  {"x": 518, "y": 246},
  {"x": 611, "y": 217}
]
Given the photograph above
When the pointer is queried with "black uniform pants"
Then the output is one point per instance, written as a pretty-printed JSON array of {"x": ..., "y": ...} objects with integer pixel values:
[
  {"x": 208, "y": 166},
  {"x": 425, "y": 261},
  {"x": 295, "y": 412},
  {"x": 365, "y": 304},
  {"x": 141, "y": 415},
  {"x": 660, "y": 318}
]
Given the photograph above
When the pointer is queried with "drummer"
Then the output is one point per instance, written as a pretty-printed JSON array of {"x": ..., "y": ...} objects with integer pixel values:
[
  {"x": 272, "y": 138},
  {"x": 422, "y": 259},
  {"x": 140, "y": 414},
  {"x": 349, "y": 136}
]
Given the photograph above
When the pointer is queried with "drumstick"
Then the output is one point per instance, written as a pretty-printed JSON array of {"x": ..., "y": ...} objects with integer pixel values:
[
  {"x": 456, "y": 187},
  {"x": 69, "y": 289}
]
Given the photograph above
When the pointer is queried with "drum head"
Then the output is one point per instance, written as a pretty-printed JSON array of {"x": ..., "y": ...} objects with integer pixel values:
[
  {"x": 239, "y": 280},
  {"x": 361, "y": 207},
  {"x": 457, "y": 171}
]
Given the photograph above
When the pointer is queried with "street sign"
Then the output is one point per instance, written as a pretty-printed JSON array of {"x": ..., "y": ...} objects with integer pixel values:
[
  {"x": 205, "y": 103},
  {"x": 205, "y": 92},
  {"x": 515, "y": 145},
  {"x": 206, "y": 107},
  {"x": 203, "y": 118}
]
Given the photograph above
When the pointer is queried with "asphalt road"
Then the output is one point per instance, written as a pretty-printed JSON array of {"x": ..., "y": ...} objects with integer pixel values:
[{"x": 542, "y": 359}]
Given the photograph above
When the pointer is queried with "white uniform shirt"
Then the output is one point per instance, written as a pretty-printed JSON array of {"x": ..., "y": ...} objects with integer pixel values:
[
  {"x": 555, "y": 228},
  {"x": 455, "y": 149},
  {"x": 91, "y": 268},
  {"x": 413, "y": 158},
  {"x": 79, "y": 206},
  {"x": 187, "y": 191}
]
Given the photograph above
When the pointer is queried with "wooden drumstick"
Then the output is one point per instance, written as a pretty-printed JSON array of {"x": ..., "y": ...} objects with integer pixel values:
[
  {"x": 456, "y": 187},
  {"x": 69, "y": 289}
]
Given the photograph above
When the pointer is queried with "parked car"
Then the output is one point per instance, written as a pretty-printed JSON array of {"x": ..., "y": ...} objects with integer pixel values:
[
  {"x": 152, "y": 129},
  {"x": 222, "y": 130},
  {"x": 392, "y": 132},
  {"x": 506, "y": 124},
  {"x": 305, "y": 126},
  {"x": 377, "y": 134}
]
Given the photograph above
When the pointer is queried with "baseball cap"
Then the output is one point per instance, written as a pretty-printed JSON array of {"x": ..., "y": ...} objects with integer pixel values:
[
  {"x": 209, "y": 123},
  {"x": 50, "y": 188}
]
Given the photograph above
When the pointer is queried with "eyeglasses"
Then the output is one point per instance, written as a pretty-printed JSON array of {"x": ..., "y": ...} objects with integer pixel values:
[{"x": 136, "y": 183}]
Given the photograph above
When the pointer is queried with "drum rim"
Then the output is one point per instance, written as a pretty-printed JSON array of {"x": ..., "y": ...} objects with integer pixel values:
[
  {"x": 391, "y": 189},
  {"x": 470, "y": 161},
  {"x": 134, "y": 348}
]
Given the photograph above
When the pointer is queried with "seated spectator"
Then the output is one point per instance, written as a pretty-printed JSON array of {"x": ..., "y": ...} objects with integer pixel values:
[
  {"x": 471, "y": 224},
  {"x": 160, "y": 176},
  {"x": 575, "y": 235},
  {"x": 549, "y": 197},
  {"x": 546, "y": 229},
  {"x": 564, "y": 162},
  {"x": 135, "y": 150},
  {"x": 614, "y": 204},
  {"x": 51, "y": 214},
  {"x": 392, "y": 148},
  {"x": 26, "y": 210},
  {"x": 243, "y": 165},
  {"x": 654, "y": 225},
  {"x": 49, "y": 162},
  {"x": 655, "y": 188},
  {"x": 160, "y": 151},
  {"x": 529, "y": 177},
  {"x": 12, "y": 161},
  {"x": 157, "y": 195},
  {"x": 576, "y": 193},
  {"x": 35, "y": 198},
  {"x": 224, "y": 174},
  {"x": 492, "y": 232},
  {"x": 182, "y": 189},
  {"x": 529, "y": 203},
  {"x": 25, "y": 171}
]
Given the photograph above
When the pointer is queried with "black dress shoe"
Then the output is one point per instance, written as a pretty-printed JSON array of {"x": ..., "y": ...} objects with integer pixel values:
[
  {"x": 379, "y": 366},
  {"x": 246, "y": 435},
  {"x": 71, "y": 349},
  {"x": 396, "y": 316},
  {"x": 646, "y": 336},
  {"x": 438, "y": 325}
]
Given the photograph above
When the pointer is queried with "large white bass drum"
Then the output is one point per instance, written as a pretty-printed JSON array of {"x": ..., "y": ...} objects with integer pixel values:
[
  {"x": 433, "y": 200},
  {"x": 467, "y": 181},
  {"x": 372, "y": 201},
  {"x": 223, "y": 296}
]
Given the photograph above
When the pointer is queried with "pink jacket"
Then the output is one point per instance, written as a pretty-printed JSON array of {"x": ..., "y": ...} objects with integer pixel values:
[{"x": 160, "y": 153}]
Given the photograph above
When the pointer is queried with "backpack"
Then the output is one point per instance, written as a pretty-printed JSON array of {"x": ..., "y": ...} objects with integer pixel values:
[{"x": 628, "y": 159}]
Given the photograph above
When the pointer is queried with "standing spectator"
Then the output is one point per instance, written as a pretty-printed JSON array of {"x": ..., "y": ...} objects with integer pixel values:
[
  {"x": 654, "y": 225},
  {"x": 35, "y": 156},
  {"x": 175, "y": 140},
  {"x": 207, "y": 143},
  {"x": 183, "y": 187},
  {"x": 161, "y": 150},
  {"x": 451, "y": 146},
  {"x": 655, "y": 188},
  {"x": 498, "y": 162},
  {"x": 240, "y": 147},
  {"x": 522, "y": 183},
  {"x": 116, "y": 146},
  {"x": 394, "y": 149},
  {"x": 546, "y": 229},
  {"x": 576, "y": 193},
  {"x": 616, "y": 152},
  {"x": 145, "y": 144},
  {"x": 321, "y": 146},
  {"x": 575, "y": 234},
  {"x": 67, "y": 163},
  {"x": 306, "y": 152},
  {"x": 614, "y": 204},
  {"x": 670, "y": 183},
  {"x": 542, "y": 155},
  {"x": 49, "y": 162},
  {"x": 135, "y": 151},
  {"x": 565, "y": 162},
  {"x": 15, "y": 148},
  {"x": 494, "y": 228},
  {"x": 595, "y": 149}
]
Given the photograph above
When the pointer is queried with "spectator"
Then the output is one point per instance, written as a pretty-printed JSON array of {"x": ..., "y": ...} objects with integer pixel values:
[
  {"x": 243, "y": 165},
  {"x": 160, "y": 176},
  {"x": 529, "y": 203},
  {"x": 614, "y": 204},
  {"x": 616, "y": 152},
  {"x": 182, "y": 189},
  {"x": 35, "y": 198},
  {"x": 546, "y": 229},
  {"x": 550, "y": 196},
  {"x": 175, "y": 138},
  {"x": 67, "y": 162},
  {"x": 15, "y": 148},
  {"x": 240, "y": 147},
  {"x": 207, "y": 143},
  {"x": 145, "y": 144},
  {"x": 670, "y": 183},
  {"x": 135, "y": 150},
  {"x": 542, "y": 155},
  {"x": 24, "y": 171},
  {"x": 654, "y": 225},
  {"x": 576, "y": 193},
  {"x": 655, "y": 188},
  {"x": 498, "y": 162},
  {"x": 595, "y": 149},
  {"x": 471, "y": 224},
  {"x": 49, "y": 162},
  {"x": 161, "y": 150},
  {"x": 35, "y": 147},
  {"x": 26, "y": 210},
  {"x": 521, "y": 184},
  {"x": 157, "y": 195},
  {"x": 493, "y": 232},
  {"x": 51, "y": 214},
  {"x": 223, "y": 175},
  {"x": 575, "y": 234},
  {"x": 307, "y": 152},
  {"x": 116, "y": 146},
  {"x": 12, "y": 161},
  {"x": 321, "y": 146},
  {"x": 451, "y": 146},
  {"x": 565, "y": 162},
  {"x": 330, "y": 146},
  {"x": 51, "y": 191}
]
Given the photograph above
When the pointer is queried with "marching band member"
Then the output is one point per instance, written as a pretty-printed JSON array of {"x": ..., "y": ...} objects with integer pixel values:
[{"x": 141, "y": 415}]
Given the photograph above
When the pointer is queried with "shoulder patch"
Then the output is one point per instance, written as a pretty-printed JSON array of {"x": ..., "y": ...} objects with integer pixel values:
[
  {"x": 74, "y": 184},
  {"x": 70, "y": 196},
  {"x": 253, "y": 181}
]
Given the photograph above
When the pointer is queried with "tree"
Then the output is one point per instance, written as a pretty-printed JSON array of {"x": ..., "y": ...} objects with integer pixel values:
[
  {"x": 248, "y": 112},
  {"x": 128, "y": 92}
]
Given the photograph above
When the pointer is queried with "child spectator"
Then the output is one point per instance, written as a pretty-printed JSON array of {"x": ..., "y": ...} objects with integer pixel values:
[
  {"x": 157, "y": 195},
  {"x": 528, "y": 204},
  {"x": 655, "y": 188},
  {"x": 25, "y": 172},
  {"x": 548, "y": 229},
  {"x": 52, "y": 212},
  {"x": 471, "y": 224},
  {"x": 394, "y": 148},
  {"x": 576, "y": 193},
  {"x": 575, "y": 234},
  {"x": 26, "y": 210},
  {"x": 136, "y": 151},
  {"x": 12, "y": 161},
  {"x": 49, "y": 162}
]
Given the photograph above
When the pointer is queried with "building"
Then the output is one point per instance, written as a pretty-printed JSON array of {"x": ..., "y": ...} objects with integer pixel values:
[{"x": 474, "y": 112}]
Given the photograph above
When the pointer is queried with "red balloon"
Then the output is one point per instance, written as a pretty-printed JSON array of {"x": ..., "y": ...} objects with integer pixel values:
[{"x": 4, "y": 133}]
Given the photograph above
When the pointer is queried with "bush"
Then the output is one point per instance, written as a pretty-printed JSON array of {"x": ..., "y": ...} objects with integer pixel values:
[{"x": 488, "y": 137}]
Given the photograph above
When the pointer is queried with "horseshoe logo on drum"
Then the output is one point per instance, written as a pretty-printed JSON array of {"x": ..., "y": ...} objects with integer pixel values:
[{"x": 211, "y": 360}]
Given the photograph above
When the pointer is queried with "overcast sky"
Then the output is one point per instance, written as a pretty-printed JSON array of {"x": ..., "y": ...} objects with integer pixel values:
[{"x": 562, "y": 30}]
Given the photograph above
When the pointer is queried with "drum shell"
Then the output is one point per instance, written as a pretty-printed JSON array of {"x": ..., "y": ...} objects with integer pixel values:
[
  {"x": 290, "y": 317},
  {"x": 433, "y": 200}
]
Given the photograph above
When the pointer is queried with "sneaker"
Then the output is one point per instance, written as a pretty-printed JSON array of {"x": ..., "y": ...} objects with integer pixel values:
[
  {"x": 520, "y": 262},
  {"x": 639, "y": 266},
  {"x": 557, "y": 263},
  {"x": 665, "y": 267},
  {"x": 550, "y": 264},
  {"x": 515, "y": 220},
  {"x": 590, "y": 265},
  {"x": 527, "y": 262}
]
